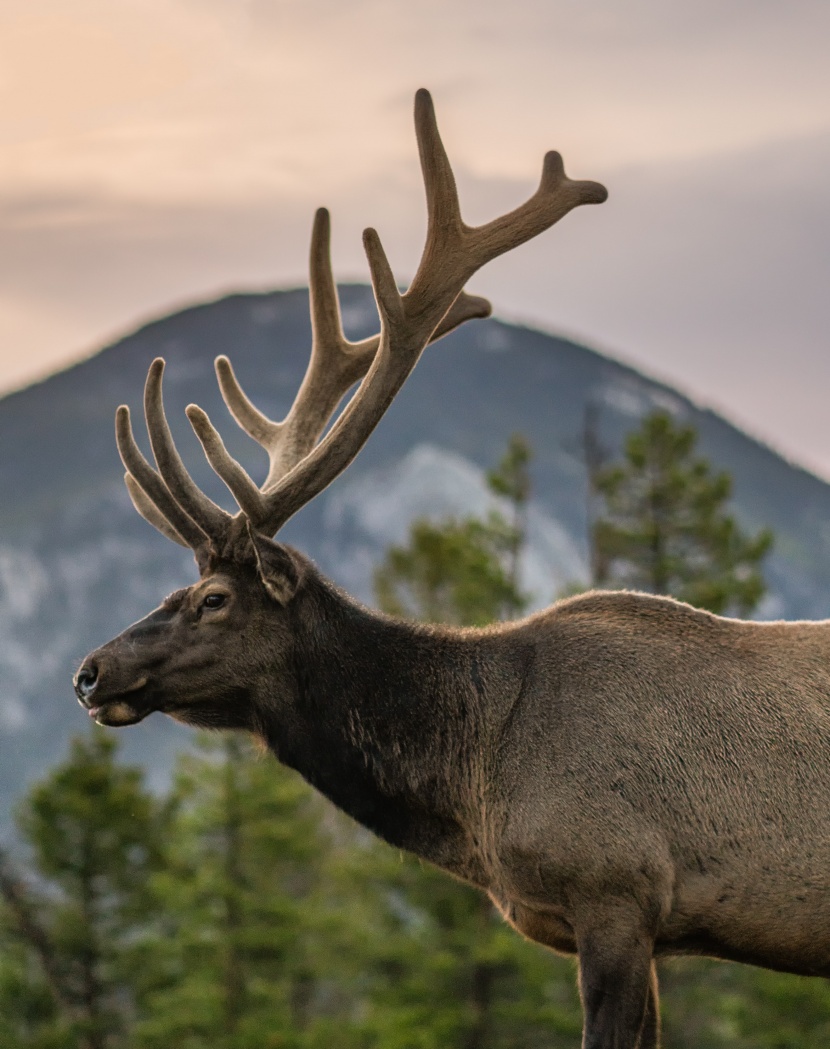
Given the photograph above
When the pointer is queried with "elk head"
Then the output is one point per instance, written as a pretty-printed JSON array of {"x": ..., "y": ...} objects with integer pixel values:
[{"x": 195, "y": 657}]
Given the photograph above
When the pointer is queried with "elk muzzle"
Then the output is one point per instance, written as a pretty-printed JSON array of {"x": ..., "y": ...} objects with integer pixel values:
[
  {"x": 86, "y": 682},
  {"x": 104, "y": 700}
]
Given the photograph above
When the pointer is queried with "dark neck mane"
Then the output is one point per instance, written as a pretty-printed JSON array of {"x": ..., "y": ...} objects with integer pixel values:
[{"x": 388, "y": 720}]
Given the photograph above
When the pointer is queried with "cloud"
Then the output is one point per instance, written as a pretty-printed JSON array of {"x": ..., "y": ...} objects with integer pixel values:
[
  {"x": 713, "y": 275},
  {"x": 158, "y": 151},
  {"x": 710, "y": 274},
  {"x": 152, "y": 99}
]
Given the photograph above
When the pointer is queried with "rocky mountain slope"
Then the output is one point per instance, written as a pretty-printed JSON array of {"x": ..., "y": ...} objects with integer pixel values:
[{"x": 77, "y": 564}]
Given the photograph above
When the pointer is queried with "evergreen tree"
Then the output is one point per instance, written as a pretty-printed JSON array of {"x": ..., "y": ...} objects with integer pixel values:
[
  {"x": 664, "y": 528},
  {"x": 464, "y": 571},
  {"x": 511, "y": 480},
  {"x": 71, "y": 975},
  {"x": 35, "y": 1011},
  {"x": 244, "y": 960},
  {"x": 719, "y": 1005},
  {"x": 443, "y": 970},
  {"x": 450, "y": 572}
]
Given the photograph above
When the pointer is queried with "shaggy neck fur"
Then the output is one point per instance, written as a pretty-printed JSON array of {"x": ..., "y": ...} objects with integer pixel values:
[{"x": 390, "y": 721}]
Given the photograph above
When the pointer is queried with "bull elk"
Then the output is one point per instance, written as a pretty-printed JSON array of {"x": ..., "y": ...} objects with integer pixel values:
[{"x": 625, "y": 776}]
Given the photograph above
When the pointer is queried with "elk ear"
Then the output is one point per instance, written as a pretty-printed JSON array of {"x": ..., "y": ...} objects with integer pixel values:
[{"x": 279, "y": 572}]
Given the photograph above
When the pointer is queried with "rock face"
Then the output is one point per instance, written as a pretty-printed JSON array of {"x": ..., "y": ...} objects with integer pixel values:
[{"x": 77, "y": 564}]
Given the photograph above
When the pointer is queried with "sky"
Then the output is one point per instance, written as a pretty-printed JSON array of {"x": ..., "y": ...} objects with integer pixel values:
[{"x": 156, "y": 153}]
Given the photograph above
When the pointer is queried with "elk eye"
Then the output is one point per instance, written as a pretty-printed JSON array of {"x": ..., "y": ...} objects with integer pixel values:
[{"x": 214, "y": 601}]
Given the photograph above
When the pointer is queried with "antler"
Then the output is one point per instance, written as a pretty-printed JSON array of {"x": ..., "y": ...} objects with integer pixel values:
[
  {"x": 334, "y": 367},
  {"x": 434, "y": 304}
]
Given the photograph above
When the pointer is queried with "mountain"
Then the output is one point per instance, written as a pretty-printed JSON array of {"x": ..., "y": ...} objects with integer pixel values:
[{"x": 77, "y": 564}]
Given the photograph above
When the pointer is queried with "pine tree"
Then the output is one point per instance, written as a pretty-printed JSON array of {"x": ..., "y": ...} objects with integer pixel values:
[
  {"x": 664, "y": 527},
  {"x": 95, "y": 838},
  {"x": 464, "y": 571},
  {"x": 35, "y": 1011},
  {"x": 450, "y": 572},
  {"x": 442, "y": 969},
  {"x": 243, "y": 958},
  {"x": 511, "y": 480}
]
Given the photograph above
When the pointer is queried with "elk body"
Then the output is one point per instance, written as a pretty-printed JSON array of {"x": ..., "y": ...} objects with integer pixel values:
[{"x": 625, "y": 776}]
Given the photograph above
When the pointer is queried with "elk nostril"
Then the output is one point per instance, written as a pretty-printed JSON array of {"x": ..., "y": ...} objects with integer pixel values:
[{"x": 86, "y": 680}]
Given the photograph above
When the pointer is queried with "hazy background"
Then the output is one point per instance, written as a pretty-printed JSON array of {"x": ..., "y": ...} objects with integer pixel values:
[{"x": 156, "y": 152}]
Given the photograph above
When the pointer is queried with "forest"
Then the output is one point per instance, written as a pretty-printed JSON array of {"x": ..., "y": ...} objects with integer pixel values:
[{"x": 240, "y": 909}]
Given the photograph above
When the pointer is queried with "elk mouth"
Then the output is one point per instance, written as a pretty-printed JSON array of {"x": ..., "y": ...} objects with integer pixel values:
[{"x": 117, "y": 711}]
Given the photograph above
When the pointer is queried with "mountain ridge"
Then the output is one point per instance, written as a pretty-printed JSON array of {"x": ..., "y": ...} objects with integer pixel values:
[{"x": 77, "y": 563}]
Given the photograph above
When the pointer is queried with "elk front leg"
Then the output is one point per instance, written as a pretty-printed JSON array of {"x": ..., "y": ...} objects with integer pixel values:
[{"x": 618, "y": 984}]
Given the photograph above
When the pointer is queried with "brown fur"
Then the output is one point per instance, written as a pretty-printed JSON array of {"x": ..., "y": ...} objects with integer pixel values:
[{"x": 626, "y": 776}]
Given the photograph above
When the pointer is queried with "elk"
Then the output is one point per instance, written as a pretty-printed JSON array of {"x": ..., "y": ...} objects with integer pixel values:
[{"x": 625, "y": 776}]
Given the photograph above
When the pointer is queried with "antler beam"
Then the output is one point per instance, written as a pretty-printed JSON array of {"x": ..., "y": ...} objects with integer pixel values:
[{"x": 302, "y": 465}]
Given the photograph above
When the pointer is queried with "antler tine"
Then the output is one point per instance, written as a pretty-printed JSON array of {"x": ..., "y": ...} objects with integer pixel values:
[
  {"x": 154, "y": 503},
  {"x": 452, "y": 253},
  {"x": 444, "y": 222},
  {"x": 326, "y": 330},
  {"x": 209, "y": 517},
  {"x": 335, "y": 365},
  {"x": 248, "y": 417},
  {"x": 326, "y": 322},
  {"x": 465, "y": 308},
  {"x": 150, "y": 512},
  {"x": 242, "y": 487},
  {"x": 555, "y": 197}
]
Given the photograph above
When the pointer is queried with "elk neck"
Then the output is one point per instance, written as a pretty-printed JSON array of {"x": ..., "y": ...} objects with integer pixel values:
[{"x": 392, "y": 721}]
